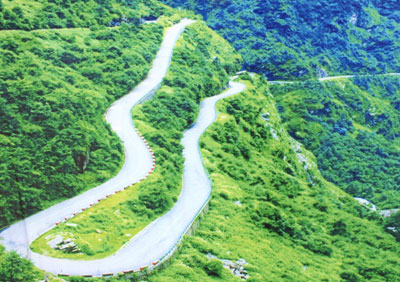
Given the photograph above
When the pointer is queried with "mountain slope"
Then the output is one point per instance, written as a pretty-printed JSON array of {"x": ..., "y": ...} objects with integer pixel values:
[
  {"x": 271, "y": 207},
  {"x": 56, "y": 86},
  {"x": 302, "y": 39},
  {"x": 199, "y": 69},
  {"x": 52, "y": 14},
  {"x": 353, "y": 128}
]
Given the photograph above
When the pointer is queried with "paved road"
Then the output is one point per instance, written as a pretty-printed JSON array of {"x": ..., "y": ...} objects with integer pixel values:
[
  {"x": 161, "y": 236},
  {"x": 138, "y": 163},
  {"x": 334, "y": 77},
  {"x": 351, "y": 76}
]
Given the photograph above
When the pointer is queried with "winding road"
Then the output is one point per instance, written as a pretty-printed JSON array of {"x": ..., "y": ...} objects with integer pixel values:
[{"x": 159, "y": 239}]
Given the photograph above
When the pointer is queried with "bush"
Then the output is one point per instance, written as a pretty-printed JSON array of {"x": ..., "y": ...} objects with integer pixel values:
[{"x": 213, "y": 268}]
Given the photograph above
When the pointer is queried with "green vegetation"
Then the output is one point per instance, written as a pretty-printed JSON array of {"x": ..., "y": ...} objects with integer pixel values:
[
  {"x": 200, "y": 66},
  {"x": 392, "y": 224},
  {"x": 353, "y": 128},
  {"x": 15, "y": 269},
  {"x": 286, "y": 227},
  {"x": 298, "y": 39},
  {"x": 45, "y": 14},
  {"x": 64, "y": 62},
  {"x": 56, "y": 86}
]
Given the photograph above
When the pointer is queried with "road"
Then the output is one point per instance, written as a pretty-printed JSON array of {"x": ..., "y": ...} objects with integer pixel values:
[
  {"x": 138, "y": 164},
  {"x": 161, "y": 236},
  {"x": 351, "y": 76},
  {"x": 333, "y": 78}
]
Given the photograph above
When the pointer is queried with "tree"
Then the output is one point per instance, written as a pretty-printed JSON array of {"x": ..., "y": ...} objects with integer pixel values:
[
  {"x": 16, "y": 269},
  {"x": 392, "y": 224}
]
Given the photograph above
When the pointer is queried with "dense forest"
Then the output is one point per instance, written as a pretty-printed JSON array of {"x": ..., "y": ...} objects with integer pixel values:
[
  {"x": 55, "y": 88},
  {"x": 302, "y": 39},
  {"x": 55, "y": 14},
  {"x": 353, "y": 128},
  {"x": 15, "y": 269}
]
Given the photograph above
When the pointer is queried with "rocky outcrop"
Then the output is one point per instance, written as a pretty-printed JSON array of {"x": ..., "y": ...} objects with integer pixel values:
[
  {"x": 66, "y": 246},
  {"x": 237, "y": 267}
]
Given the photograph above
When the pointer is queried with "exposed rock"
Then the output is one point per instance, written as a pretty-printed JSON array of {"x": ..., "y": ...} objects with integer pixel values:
[
  {"x": 366, "y": 203},
  {"x": 321, "y": 73},
  {"x": 274, "y": 133},
  {"x": 387, "y": 213},
  {"x": 82, "y": 161},
  {"x": 238, "y": 203},
  {"x": 54, "y": 242},
  {"x": 353, "y": 19},
  {"x": 237, "y": 268},
  {"x": 265, "y": 116},
  {"x": 66, "y": 246},
  {"x": 307, "y": 164},
  {"x": 71, "y": 224}
]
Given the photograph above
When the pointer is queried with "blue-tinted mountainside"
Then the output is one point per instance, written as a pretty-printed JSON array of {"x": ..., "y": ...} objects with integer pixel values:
[{"x": 299, "y": 39}]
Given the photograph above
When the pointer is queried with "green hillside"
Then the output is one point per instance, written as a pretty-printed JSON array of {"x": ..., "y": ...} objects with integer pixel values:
[
  {"x": 200, "y": 66},
  {"x": 285, "y": 160},
  {"x": 55, "y": 14},
  {"x": 299, "y": 39},
  {"x": 286, "y": 221},
  {"x": 56, "y": 85},
  {"x": 353, "y": 128}
]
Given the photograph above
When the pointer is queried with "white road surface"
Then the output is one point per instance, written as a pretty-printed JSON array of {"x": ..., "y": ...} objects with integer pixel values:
[
  {"x": 161, "y": 236},
  {"x": 351, "y": 76},
  {"x": 333, "y": 78}
]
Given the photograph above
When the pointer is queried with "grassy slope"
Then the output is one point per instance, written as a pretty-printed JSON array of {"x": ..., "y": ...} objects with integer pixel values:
[
  {"x": 286, "y": 228},
  {"x": 200, "y": 62},
  {"x": 353, "y": 127}
]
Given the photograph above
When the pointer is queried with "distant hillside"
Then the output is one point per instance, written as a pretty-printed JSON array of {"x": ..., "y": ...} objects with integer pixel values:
[
  {"x": 353, "y": 128},
  {"x": 302, "y": 39}
]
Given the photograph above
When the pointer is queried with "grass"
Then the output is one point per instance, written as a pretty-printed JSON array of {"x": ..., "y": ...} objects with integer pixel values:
[{"x": 100, "y": 230}]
